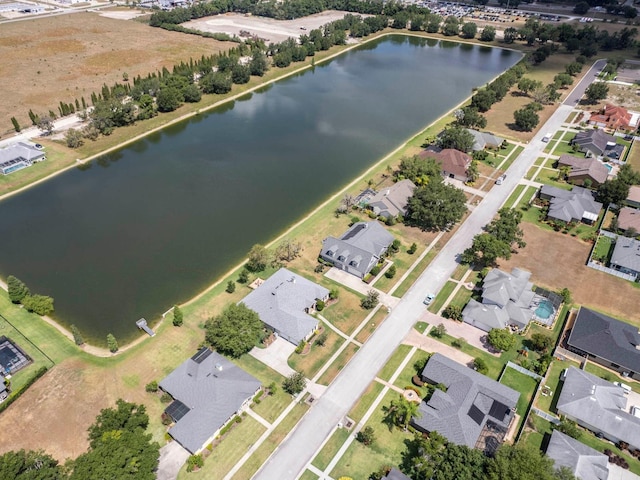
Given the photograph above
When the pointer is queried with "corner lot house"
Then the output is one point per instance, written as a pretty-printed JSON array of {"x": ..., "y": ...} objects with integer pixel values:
[
  {"x": 626, "y": 256},
  {"x": 454, "y": 163},
  {"x": 596, "y": 143},
  {"x": 359, "y": 249},
  {"x": 612, "y": 117},
  {"x": 208, "y": 391},
  {"x": 482, "y": 140},
  {"x": 584, "y": 169},
  {"x": 475, "y": 410},
  {"x": 606, "y": 341},
  {"x": 577, "y": 205},
  {"x": 392, "y": 201},
  {"x": 18, "y": 156},
  {"x": 284, "y": 301},
  {"x": 505, "y": 301},
  {"x": 585, "y": 462},
  {"x": 599, "y": 406}
]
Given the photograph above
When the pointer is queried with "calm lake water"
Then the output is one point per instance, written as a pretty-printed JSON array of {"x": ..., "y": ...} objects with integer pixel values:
[{"x": 151, "y": 225}]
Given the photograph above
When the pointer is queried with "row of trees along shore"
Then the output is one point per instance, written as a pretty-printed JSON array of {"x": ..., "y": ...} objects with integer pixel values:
[{"x": 164, "y": 91}]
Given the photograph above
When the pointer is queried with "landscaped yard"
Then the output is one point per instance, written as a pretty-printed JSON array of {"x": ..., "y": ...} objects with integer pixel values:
[
  {"x": 417, "y": 271},
  {"x": 394, "y": 362},
  {"x": 553, "y": 386},
  {"x": 313, "y": 361},
  {"x": 550, "y": 177},
  {"x": 523, "y": 384},
  {"x": 365, "y": 401},
  {"x": 339, "y": 363},
  {"x": 330, "y": 448},
  {"x": 404, "y": 379},
  {"x": 603, "y": 249},
  {"x": 347, "y": 313},
  {"x": 442, "y": 297},
  {"x": 495, "y": 364}
]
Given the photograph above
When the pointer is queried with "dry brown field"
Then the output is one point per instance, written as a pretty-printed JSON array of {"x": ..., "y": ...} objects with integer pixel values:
[
  {"x": 69, "y": 56},
  {"x": 557, "y": 261}
]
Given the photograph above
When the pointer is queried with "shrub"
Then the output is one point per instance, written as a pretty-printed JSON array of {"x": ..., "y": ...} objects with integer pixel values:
[
  {"x": 166, "y": 398},
  {"x": 301, "y": 346},
  {"x": 177, "y": 316},
  {"x": 375, "y": 270},
  {"x": 412, "y": 249},
  {"x": 320, "y": 305},
  {"x": 244, "y": 276},
  {"x": 294, "y": 383},
  {"x": 194, "y": 462},
  {"x": 454, "y": 312},
  {"x": 77, "y": 337},
  {"x": 231, "y": 286},
  {"x": 39, "y": 304},
  {"x": 439, "y": 331},
  {"x": 273, "y": 388},
  {"x": 319, "y": 268},
  {"x": 480, "y": 365},
  {"x": 322, "y": 339},
  {"x": 151, "y": 387},
  {"x": 112, "y": 343},
  {"x": 371, "y": 300},
  {"x": 17, "y": 289},
  {"x": 458, "y": 343},
  {"x": 391, "y": 272},
  {"x": 366, "y": 436},
  {"x": 334, "y": 293},
  {"x": 166, "y": 419}
]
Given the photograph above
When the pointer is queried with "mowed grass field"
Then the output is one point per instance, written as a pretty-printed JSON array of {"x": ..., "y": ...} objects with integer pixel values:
[{"x": 69, "y": 56}]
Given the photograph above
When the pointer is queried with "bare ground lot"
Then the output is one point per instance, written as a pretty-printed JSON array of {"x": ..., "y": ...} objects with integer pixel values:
[
  {"x": 267, "y": 28},
  {"x": 557, "y": 260},
  {"x": 69, "y": 56}
]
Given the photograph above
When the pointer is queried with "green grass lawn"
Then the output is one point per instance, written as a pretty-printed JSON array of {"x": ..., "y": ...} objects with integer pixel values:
[
  {"x": 394, "y": 362},
  {"x": 366, "y": 400},
  {"x": 373, "y": 323},
  {"x": 421, "y": 326},
  {"x": 603, "y": 249},
  {"x": 346, "y": 314},
  {"x": 308, "y": 475},
  {"x": 228, "y": 451},
  {"x": 460, "y": 271},
  {"x": 600, "y": 445},
  {"x": 332, "y": 372},
  {"x": 330, "y": 448},
  {"x": 523, "y": 384},
  {"x": 313, "y": 361},
  {"x": 549, "y": 177},
  {"x": 271, "y": 406},
  {"x": 571, "y": 116},
  {"x": 510, "y": 203},
  {"x": 495, "y": 364},
  {"x": 610, "y": 376},
  {"x": 415, "y": 273},
  {"x": 548, "y": 402},
  {"x": 404, "y": 379},
  {"x": 360, "y": 461},
  {"x": 514, "y": 154},
  {"x": 442, "y": 297},
  {"x": 564, "y": 148}
]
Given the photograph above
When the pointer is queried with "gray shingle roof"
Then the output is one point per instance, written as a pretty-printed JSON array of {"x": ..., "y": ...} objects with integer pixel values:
[
  {"x": 213, "y": 390},
  {"x": 598, "y": 142},
  {"x": 395, "y": 474},
  {"x": 392, "y": 201},
  {"x": 23, "y": 150},
  {"x": 460, "y": 413},
  {"x": 626, "y": 253},
  {"x": 484, "y": 139},
  {"x": 571, "y": 205},
  {"x": 359, "y": 248},
  {"x": 607, "y": 338},
  {"x": 598, "y": 405},
  {"x": 281, "y": 302},
  {"x": 585, "y": 462}
]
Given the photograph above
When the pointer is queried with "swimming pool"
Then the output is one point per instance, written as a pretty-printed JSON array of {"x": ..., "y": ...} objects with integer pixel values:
[
  {"x": 544, "y": 310},
  {"x": 609, "y": 167}
]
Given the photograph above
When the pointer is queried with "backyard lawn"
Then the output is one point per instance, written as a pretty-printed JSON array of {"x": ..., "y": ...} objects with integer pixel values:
[
  {"x": 603, "y": 249},
  {"x": 521, "y": 383}
]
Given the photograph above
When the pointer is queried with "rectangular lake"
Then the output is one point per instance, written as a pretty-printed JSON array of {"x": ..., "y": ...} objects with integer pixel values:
[{"x": 154, "y": 223}]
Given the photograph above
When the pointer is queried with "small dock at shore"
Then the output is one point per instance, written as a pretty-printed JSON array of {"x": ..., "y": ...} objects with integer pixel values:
[{"x": 142, "y": 325}]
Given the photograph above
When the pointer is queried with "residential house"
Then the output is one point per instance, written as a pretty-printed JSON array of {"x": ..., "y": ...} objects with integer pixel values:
[
  {"x": 599, "y": 406},
  {"x": 483, "y": 140},
  {"x": 506, "y": 298},
  {"x": 474, "y": 410},
  {"x": 626, "y": 256},
  {"x": 284, "y": 303},
  {"x": 584, "y": 462},
  {"x": 633, "y": 199},
  {"x": 612, "y": 117},
  {"x": 597, "y": 143},
  {"x": 577, "y": 205},
  {"x": 454, "y": 163},
  {"x": 392, "y": 201},
  {"x": 4, "y": 393},
  {"x": 395, "y": 474},
  {"x": 208, "y": 391},
  {"x": 584, "y": 169},
  {"x": 607, "y": 341},
  {"x": 18, "y": 156},
  {"x": 359, "y": 249},
  {"x": 629, "y": 218}
]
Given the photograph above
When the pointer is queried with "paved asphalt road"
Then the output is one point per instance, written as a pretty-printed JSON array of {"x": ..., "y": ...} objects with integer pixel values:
[{"x": 291, "y": 457}]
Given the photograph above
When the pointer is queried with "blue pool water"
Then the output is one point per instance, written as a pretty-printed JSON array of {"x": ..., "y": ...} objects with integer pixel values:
[
  {"x": 544, "y": 310},
  {"x": 609, "y": 167}
]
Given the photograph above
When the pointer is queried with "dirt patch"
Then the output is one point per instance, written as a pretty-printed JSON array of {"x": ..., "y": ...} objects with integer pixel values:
[
  {"x": 71, "y": 56},
  {"x": 557, "y": 260},
  {"x": 267, "y": 28},
  {"x": 627, "y": 96}
]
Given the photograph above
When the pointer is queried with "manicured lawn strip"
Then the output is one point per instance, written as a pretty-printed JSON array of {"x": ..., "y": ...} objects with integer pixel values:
[
  {"x": 227, "y": 453},
  {"x": 523, "y": 384},
  {"x": 532, "y": 171},
  {"x": 548, "y": 403},
  {"x": 370, "y": 327},
  {"x": 570, "y": 118},
  {"x": 549, "y": 177},
  {"x": 461, "y": 298},
  {"x": 402, "y": 262},
  {"x": 365, "y": 401},
  {"x": 330, "y": 448},
  {"x": 514, "y": 196},
  {"x": 394, "y": 362},
  {"x": 539, "y": 161},
  {"x": 271, "y": 406},
  {"x": 558, "y": 135},
  {"x": 332, "y": 372},
  {"x": 346, "y": 314},
  {"x": 442, "y": 297},
  {"x": 269, "y": 445},
  {"x": 495, "y": 364},
  {"x": 550, "y": 162},
  {"x": 416, "y": 272},
  {"x": 526, "y": 198},
  {"x": 459, "y": 272},
  {"x": 633, "y": 158},
  {"x": 512, "y": 158},
  {"x": 359, "y": 461},
  {"x": 308, "y": 475},
  {"x": 420, "y": 327},
  {"x": 310, "y": 363},
  {"x": 404, "y": 379},
  {"x": 258, "y": 369},
  {"x": 564, "y": 148}
]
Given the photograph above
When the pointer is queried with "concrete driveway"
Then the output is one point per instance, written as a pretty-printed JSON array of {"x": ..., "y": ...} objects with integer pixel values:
[
  {"x": 619, "y": 473},
  {"x": 276, "y": 355},
  {"x": 431, "y": 345},
  {"x": 172, "y": 457},
  {"x": 473, "y": 336},
  {"x": 354, "y": 283}
]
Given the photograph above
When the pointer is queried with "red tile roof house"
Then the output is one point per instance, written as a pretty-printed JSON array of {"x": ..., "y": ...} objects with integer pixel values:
[
  {"x": 584, "y": 169},
  {"x": 454, "y": 163},
  {"x": 612, "y": 117}
]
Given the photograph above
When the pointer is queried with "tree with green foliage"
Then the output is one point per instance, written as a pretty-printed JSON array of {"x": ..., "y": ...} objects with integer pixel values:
[
  {"x": 581, "y": 8},
  {"x": 520, "y": 462},
  {"x": 527, "y": 85},
  {"x": 456, "y": 137},
  {"x": 366, "y": 436},
  {"x": 573, "y": 68},
  {"x": 418, "y": 170},
  {"x": 17, "y": 289},
  {"x": 596, "y": 91},
  {"x": 231, "y": 286},
  {"x": 613, "y": 191},
  {"x": 259, "y": 64},
  {"x": 435, "y": 206},
  {"x": 30, "y": 465},
  {"x": 151, "y": 387},
  {"x": 526, "y": 119},
  {"x": 400, "y": 411},
  {"x": 73, "y": 138},
  {"x": 471, "y": 118},
  {"x": 177, "y": 316},
  {"x": 565, "y": 293},
  {"x": 469, "y": 30},
  {"x": 501, "y": 339},
  {"x": 77, "y": 337},
  {"x": 453, "y": 312},
  {"x": 451, "y": 26},
  {"x": 16, "y": 125},
  {"x": 488, "y": 34},
  {"x": 485, "y": 250},
  {"x": 195, "y": 462},
  {"x": 243, "y": 277},
  {"x": 483, "y": 100},
  {"x": 258, "y": 258},
  {"x": 112, "y": 343},
  {"x": 439, "y": 330},
  {"x": 506, "y": 227},
  {"x": 235, "y": 331},
  {"x": 541, "y": 342},
  {"x": 125, "y": 416},
  {"x": 322, "y": 339},
  {"x": 510, "y": 35},
  {"x": 563, "y": 80},
  {"x": 480, "y": 365},
  {"x": 169, "y": 99},
  {"x": 216, "y": 82},
  {"x": 568, "y": 427},
  {"x": 294, "y": 383},
  {"x": 39, "y": 304},
  {"x": 371, "y": 300},
  {"x": 191, "y": 93},
  {"x": 240, "y": 74},
  {"x": 390, "y": 272}
]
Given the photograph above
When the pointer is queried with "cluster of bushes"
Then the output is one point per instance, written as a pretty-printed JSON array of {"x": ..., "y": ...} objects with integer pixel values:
[
  {"x": 20, "y": 293},
  {"x": 494, "y": 92}
]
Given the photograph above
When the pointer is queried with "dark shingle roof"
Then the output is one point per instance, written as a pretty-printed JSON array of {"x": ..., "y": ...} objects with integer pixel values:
[{"x": 607, "y": 338}]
